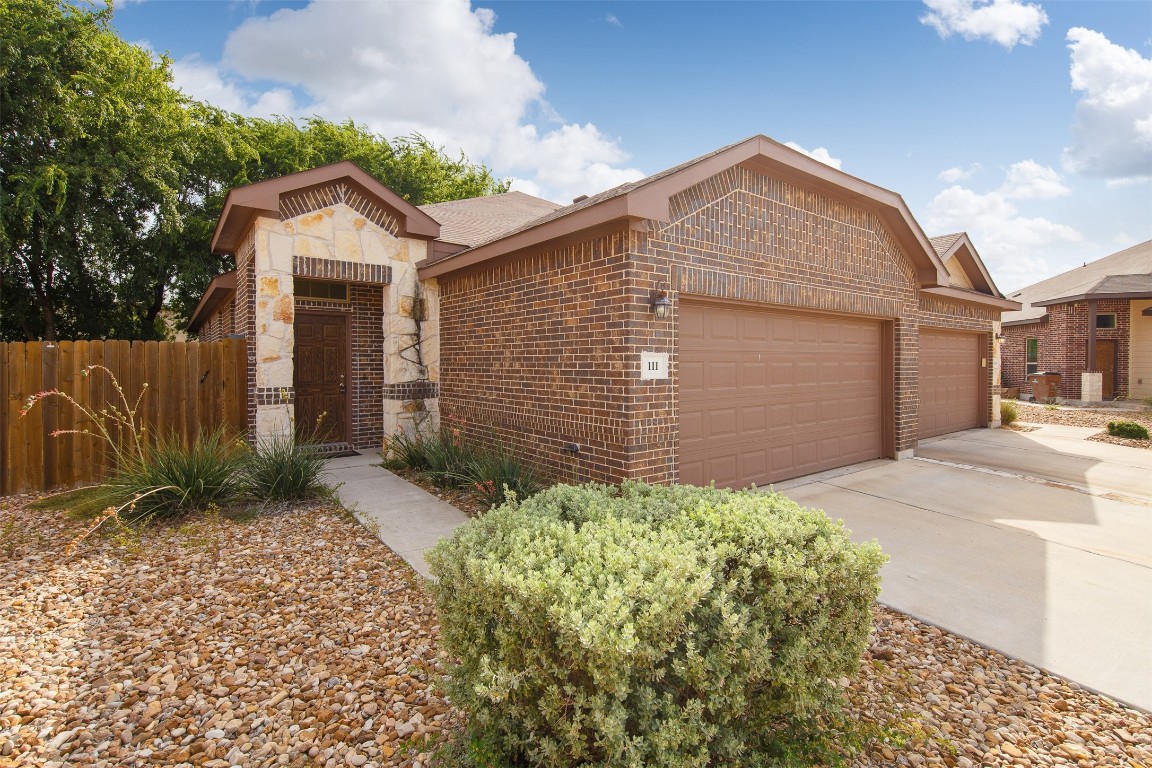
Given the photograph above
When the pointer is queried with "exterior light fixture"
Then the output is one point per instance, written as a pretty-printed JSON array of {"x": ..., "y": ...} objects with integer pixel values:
[{"x": 661, "y": 304}]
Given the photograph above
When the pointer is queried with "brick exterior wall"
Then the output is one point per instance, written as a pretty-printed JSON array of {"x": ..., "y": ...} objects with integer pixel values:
[
  {"x": 544, "y": 349},
  {"x": 1063, "y": 346},
  {"x": 220, "y": 323}
]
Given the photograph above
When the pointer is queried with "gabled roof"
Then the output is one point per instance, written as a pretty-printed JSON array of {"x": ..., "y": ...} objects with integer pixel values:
[
  {"x": 648, "y": 199},
  {"x": 222, "y": 288},
  {"x": 959, "y": 246},
  {"x": 1093, "y": 280},
  {"x": 477, "y": 220},
  {"x": 243, "y": 204}
]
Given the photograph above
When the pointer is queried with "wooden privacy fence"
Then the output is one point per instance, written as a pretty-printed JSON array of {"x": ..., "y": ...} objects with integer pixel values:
[{"x": 192, "y": 387}]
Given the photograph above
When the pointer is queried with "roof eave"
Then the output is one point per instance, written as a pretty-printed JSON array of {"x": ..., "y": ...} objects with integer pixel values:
[
  {"x": 222, "y": 287},
  {"x": 973, "y": 297},
  {"x": 1024, "y": 321},
  {"x": 594, "y": 217},
  {"x": 1093, "y": 297}
]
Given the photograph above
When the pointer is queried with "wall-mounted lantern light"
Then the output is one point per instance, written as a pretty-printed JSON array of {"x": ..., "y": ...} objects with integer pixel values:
[{"x": 661, "y": 304}]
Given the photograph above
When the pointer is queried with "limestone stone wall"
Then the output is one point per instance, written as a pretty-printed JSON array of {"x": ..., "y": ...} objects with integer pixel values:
[{"x": 339, "y": 243}]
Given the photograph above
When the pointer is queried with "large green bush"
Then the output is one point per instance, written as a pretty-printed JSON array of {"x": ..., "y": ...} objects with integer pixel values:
[{"x": 654, "y": 626}]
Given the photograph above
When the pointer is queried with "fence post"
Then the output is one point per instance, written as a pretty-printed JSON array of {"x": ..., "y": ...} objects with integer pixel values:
[{"x": 51, "y": 406}]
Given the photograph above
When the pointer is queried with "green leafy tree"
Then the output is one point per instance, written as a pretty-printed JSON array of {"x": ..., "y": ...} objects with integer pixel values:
[
  {"x": 90, "y": 135},
  {"x": 111, "y": 180}
]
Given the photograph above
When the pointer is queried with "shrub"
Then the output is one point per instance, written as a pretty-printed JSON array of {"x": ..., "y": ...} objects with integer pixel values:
[
  {"x": 438, "y": 455},
  {"x": 1008, "y": 413},
  {"x": 1129, "y": 429},
  {"x": 652, "y": 626},
  {"x": 283, "y": 469},
  {"x": 172, "y": 478},
  {"x": 492, "y": 473}
]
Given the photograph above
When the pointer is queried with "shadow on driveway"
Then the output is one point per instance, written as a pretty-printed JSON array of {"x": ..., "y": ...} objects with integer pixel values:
[{"x": 1036, "y": 544}]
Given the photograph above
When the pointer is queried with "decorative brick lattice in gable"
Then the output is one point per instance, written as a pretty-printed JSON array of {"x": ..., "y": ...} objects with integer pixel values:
[{"x": 309, "y": 200}]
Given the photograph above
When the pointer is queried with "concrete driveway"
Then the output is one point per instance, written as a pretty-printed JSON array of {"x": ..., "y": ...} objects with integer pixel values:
[{"x": 1037, "y": 544}]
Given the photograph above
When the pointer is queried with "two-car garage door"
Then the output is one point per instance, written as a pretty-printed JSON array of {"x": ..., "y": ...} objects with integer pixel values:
[{"x": 768, "y": 395}]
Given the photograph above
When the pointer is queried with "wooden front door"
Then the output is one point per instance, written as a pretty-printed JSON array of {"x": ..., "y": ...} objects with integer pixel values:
[
  {"x": 321, "y": 377},
  {"x": 1106, "y": 364}
]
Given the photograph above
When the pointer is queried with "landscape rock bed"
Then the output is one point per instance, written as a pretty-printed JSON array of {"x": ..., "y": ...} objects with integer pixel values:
[
  {"x": 1073, "y": 416},
  {"x": 290, "y": 640},
  {"x": 299, "y": 640}
]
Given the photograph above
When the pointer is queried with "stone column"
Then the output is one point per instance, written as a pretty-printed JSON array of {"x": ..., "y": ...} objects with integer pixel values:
[
  {"x": 275, "y": 337},
  {"x": 409, "y": 311}
]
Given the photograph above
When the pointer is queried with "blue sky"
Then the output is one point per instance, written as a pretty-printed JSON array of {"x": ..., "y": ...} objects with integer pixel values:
[{"x": 1028, "y": 124}]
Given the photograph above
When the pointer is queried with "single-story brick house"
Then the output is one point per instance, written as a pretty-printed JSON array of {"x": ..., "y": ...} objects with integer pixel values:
[
  {"x": 748, "y": 316},
  {"x": 1092, "y": 325}
]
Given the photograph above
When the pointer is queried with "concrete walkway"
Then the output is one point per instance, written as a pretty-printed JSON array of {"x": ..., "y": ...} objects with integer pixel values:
[
  {"x": 408, "y": 519},
  {"x": 1037, "y": 544}
]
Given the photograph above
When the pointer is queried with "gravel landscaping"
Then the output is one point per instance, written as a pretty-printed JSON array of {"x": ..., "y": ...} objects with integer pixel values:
[
  {"x": 297, "y": 639},
  {"x": 1075, "y": 416}
]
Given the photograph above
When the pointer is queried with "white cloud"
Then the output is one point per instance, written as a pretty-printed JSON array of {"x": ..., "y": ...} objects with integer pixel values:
[
  {"x": 611, "y": 19},
  {"x": 1007, "y": 22},
  {"x": 1030, "y": 180},
  {"x": 207, "y": 82},
  {"x": 820, "y": 153},
  {"x": 440, "y": 70},
  {"x": 1013, "y": 245},
  {"x": 955, "y": 174},
  {"x": 1112, "y": 136}
]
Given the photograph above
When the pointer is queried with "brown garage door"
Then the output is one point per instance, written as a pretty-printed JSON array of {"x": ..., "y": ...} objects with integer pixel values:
[
  {"x": 767, "y": 395},
  {"x": 950, "y": 382}
]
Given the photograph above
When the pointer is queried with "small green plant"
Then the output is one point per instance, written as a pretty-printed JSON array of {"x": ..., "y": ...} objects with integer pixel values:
[
  {"x": 1128, "y": 429},
  {"x": 173, "y": 478},
  {"x": 1008, "y": 413},
  {"x": 284, "y": 469},
  {"x": 496, "y": 476},
  {"x": 1147, "y": 404},
  {"x": 1051, "y": 407}
]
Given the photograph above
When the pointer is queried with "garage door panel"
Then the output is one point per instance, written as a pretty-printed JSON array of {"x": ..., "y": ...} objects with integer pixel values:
[
  {"x": 806, "y": 396},
  {"x": 950, "y": 382}
]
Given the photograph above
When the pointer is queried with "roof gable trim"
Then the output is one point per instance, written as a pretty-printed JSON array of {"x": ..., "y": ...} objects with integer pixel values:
[{"x": 264, "y": 198}]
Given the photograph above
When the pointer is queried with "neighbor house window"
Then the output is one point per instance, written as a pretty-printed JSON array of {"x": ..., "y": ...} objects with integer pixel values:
[
  {"x": 320, "y": 289},
  {"x": 1106, "y": 321},
  {"x": 1031, "y": 356}
]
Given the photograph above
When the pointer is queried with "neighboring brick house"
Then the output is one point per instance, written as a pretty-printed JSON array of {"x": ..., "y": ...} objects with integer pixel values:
[
  {"x": 812, "y": 323},
  {"x": 1096, "y": 318}
]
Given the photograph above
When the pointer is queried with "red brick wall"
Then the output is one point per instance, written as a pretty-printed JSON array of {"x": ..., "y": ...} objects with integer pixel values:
[
  {"x": 221, "y": 322},
  {"x": 544, "y": 349},
  {"x": 1063, "y": 345}
]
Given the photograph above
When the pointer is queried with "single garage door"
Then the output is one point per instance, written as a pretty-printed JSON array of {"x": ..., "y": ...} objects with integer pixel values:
[
  {"x": 950, "y": 382},
  {"x": 769, "y": 395}
]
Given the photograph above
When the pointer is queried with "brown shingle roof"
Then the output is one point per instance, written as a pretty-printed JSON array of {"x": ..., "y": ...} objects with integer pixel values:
[
  {"x": 479, "y": 219},
  {"x": 1134, "y": 261},
  {"x": 943, "y": 243}
]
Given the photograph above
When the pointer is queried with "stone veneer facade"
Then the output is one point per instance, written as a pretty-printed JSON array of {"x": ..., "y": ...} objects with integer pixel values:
[
  {"x": 336, "y": 234},
  {"x": 542, "y": 349},
  {"x": 1062, "y": 340}
]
